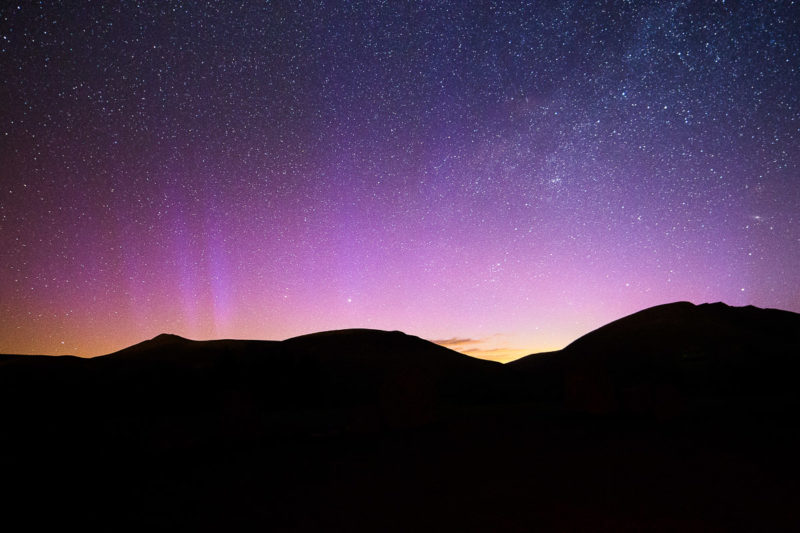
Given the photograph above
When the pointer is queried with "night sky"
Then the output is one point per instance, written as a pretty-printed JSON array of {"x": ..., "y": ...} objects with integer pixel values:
[{"x": 502, "y": 176}]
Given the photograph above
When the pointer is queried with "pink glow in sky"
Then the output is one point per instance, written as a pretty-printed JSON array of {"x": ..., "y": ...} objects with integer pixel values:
[{"x": 503, "y": 178}]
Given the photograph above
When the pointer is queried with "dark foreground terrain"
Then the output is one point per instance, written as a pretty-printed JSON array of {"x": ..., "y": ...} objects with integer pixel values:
[{"x": 677, "y": 418}]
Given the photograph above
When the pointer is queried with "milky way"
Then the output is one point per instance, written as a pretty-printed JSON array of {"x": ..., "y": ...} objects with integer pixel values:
[{"x": 498, "y": 176}]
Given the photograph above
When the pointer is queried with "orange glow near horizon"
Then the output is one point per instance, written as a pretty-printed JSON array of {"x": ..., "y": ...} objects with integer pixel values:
[{"x": 89, "y": 336}]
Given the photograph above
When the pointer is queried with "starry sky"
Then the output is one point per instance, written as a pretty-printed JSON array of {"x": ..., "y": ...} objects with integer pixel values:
[{"x": 500, "y": 177}]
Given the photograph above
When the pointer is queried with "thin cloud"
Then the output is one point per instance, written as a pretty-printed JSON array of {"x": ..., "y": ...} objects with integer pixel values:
[
  {"x": 482, "y": 348},
  {"x": 489, "y": 351},
  {"x": 457, "y": 342}
]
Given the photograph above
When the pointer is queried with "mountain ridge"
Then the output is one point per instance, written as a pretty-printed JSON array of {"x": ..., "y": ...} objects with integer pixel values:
[
  {"x": 673, "y": 354},
  {"x": 666, "y": 356},
  {"x": 680, "y": 417}
]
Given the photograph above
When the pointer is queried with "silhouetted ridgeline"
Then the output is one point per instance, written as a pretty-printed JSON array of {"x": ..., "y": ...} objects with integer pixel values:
[
  {"x": 679, "y": 417},
  {"x": 677, "y": 357},
  {"x": 350, "y": 380}
]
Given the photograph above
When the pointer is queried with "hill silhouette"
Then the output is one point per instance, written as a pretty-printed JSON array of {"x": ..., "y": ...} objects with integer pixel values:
[
  {"x": 676, "y": 357},
  {"x": 679, "y": 417},
  {"x": 325, "y": 382}
]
